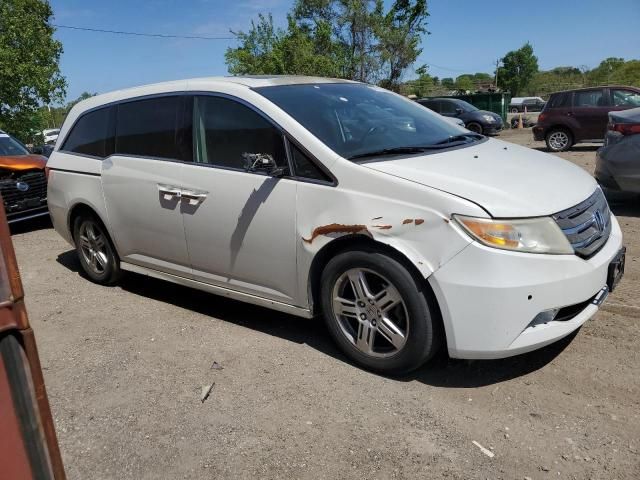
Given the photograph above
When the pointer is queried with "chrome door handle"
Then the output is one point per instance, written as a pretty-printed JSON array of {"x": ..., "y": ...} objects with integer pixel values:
[
  {"x": 193, "y": 195},
  {"x": 169, "y": 190}
]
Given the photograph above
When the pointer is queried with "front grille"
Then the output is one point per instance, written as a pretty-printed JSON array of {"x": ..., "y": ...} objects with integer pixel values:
[
  {"x": 24, "y": 198},
  {"x": 587, "y": 225}
]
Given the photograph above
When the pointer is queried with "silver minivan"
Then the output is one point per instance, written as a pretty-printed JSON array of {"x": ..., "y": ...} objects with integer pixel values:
[{"x": 327, "y": 197}]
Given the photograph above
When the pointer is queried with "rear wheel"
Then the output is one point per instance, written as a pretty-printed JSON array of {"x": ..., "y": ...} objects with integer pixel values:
[
  {"x": 377, "y": 313},
  {"x": 95, "y": 250},
  {"x": 514, "y": 110},
  {"x": 559, "y": 140},
  {"x": 474, "y": 127}
]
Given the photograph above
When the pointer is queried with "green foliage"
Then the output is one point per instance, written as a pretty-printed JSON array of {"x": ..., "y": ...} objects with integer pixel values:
[
  {"x": 29, "y": 66},
  {"x": 519, "y": 67},
  {"x": 448, "y": 83},
  {"x": 464, "y": 84},
  {"x": 352, "y": 39}
]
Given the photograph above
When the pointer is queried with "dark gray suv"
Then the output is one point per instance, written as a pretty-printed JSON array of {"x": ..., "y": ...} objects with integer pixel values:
[{"x": 479, "y": 121}]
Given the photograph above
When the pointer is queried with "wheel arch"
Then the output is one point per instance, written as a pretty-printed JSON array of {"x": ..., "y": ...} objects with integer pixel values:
[
  {"x": 364, "y": 242},
  {"x": 82, "y": 207}
]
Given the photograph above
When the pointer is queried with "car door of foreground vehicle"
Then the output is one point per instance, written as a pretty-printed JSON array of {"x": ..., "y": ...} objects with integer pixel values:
[
  {"x": 239, "y": 225},
  {"x": 141, "y": 184}
]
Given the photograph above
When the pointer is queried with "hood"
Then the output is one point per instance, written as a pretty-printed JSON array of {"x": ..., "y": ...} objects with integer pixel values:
[
  {"x": 507, "y": 180},
  {"x": 23, "y": 162}
]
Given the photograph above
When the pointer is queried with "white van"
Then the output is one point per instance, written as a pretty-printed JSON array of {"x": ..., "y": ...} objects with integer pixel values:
[{"x": 327, "y": 197}]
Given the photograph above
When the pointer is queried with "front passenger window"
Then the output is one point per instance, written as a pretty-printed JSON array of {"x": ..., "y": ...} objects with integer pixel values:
[{"x": 225, "y": 130}]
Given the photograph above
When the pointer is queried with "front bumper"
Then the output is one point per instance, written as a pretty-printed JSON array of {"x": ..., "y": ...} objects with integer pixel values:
[
  {"x": 492, "y": 129},
  {"x": 489, "y": 297}
]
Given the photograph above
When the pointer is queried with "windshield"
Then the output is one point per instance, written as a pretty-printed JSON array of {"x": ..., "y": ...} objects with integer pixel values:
[
  {"x": 357, "y": 120},
  {"x": 10, "y": 147},
  {"x": 466, "y": 106}
]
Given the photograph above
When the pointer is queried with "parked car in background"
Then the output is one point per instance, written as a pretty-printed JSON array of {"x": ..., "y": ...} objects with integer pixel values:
[
  {"x": 44, "y": 150},
  {"x": 23, "y": 182},
  {"x": 475, "y": 120},
  {"x": 28, "y": 445},
  {"x": 50, "y": 135},
  {"x": 455, "y": 121},
  {"x": 576, "y": 116},
  {"x": 618, "y": 161},
  {"x": 328, "y": 197},
  {"x": 529, "y": 104}
]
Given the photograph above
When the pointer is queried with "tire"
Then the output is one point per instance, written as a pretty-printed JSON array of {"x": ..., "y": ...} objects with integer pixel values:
[
  {"x": 474, "y": 127},
  {"x": 372, "y": 331},
  {"x": 95, "y": 250},
  {"x": 559, "y": 140},
  {"x": 514, "y": 110}
]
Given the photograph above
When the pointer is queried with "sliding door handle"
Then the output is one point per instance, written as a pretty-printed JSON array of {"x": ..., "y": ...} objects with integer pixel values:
[
  {"x": 198, "y": 196},
  {"x": 169, "y": 190}
]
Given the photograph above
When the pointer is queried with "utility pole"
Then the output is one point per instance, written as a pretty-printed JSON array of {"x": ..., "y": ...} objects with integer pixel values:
[{"x": 497, "y": 66}]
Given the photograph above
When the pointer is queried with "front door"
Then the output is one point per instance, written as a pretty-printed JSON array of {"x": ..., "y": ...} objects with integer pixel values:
[
  {"x": 141, "y": 184},
  {"x": 240, "y": 226}
]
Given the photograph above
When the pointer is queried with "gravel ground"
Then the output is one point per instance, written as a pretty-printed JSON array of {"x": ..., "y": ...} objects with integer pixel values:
[{"x": 125, "y": 366}]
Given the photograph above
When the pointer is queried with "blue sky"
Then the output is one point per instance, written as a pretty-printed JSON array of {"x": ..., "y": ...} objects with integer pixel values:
[{"x": 464, "y": 38}]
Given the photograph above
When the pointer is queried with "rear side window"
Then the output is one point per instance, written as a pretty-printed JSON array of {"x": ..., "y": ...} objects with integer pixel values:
[
  {"x": 560, "y": 100},
  {"x": 447, "y": 107},
  {"x": 589, "y": 98},
  {"x": 92, "y": 134},
  {"x": 154, "y": 127},
  {"x": 431, "y": 105},
  {"x": 226, "y": 131}
]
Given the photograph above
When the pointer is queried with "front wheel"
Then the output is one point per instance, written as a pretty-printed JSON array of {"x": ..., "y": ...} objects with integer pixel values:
[
  {"x": 95, "y": 250},
  {"x": 377, "y": 313},
  {"x": 514, "y": 110}
]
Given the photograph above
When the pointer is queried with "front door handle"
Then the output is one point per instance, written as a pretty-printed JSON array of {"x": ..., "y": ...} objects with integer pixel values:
[
  {"x": 198, "y": 196},
  {"x": 169, "y": 190}
]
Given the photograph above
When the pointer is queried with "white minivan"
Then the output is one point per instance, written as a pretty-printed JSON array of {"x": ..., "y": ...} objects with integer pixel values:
[{"x": 327, "y": 197}]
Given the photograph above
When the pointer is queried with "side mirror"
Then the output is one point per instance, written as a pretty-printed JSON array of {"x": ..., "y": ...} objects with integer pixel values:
[
  {"x": 459, "y": 111},
  {"x": 262, "y": 162}
]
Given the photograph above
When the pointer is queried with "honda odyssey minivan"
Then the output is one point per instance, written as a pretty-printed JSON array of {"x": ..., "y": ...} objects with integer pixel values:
[{"x": 327, "y": 197}]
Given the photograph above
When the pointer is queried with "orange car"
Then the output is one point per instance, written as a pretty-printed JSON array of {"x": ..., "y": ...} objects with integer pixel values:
[
  {"x": 28, "y": 445},
  {"x": 23, "y": 183}
]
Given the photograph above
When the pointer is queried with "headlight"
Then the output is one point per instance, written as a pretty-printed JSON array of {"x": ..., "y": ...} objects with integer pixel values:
[
  {"x": 489, "y": 118},
  {"x": 532, "y": 235}
]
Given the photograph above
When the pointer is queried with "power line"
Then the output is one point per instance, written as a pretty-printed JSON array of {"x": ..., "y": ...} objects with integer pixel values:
[{"x": 140, "y": 34}]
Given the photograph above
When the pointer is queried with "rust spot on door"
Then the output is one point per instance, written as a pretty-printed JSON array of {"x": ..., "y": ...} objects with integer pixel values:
[
  {"x": 334, "y": 228},
  {"x": 376, "y": 218},
  {"x": 407, "y": 220},
  {"x": 419, "y": 221},
  {"x": 446, "y": 220},
  {"x": 382, "y": 227}
]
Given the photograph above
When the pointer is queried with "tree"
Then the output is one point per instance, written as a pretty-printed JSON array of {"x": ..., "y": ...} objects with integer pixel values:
[
  {"x": 29, "y": 66},
  {"x": 464, "y": 83},
  {"x": 352, "y": 39},
  {"x": 519, "y": 67},
  {"x": 448, "y": 82}
]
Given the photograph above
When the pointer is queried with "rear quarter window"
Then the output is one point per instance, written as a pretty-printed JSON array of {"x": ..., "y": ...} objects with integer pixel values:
[
  {"x": 559, "y": 100},
  {"x": 92, "y": 134}
]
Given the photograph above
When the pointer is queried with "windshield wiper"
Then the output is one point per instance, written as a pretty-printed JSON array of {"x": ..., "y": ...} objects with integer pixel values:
[
  {"x": 459, "y": 138},
  {"x": 389, "y": 151}
]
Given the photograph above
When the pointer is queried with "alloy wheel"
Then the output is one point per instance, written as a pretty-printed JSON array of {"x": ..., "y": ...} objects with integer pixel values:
[
  {"x": 371, "y": 312},
  {"x": 93, "y": 245},
  {"x": 558, "y": 140}
]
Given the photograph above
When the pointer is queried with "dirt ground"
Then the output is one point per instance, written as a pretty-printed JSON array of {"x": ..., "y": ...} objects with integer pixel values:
[{"x": 125, "y": 366}]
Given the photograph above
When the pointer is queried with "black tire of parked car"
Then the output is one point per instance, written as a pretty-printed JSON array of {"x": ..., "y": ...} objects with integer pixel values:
[
  {"x": 424, "y": 324},
  {"x": 514, "y": 110},
  {"x": 111, "y": 271},
  {"x": 474, "y": 127},
  {"x": 553, "y": 136}
]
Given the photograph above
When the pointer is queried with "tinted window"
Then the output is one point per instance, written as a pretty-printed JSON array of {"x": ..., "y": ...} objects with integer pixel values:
[
  {"x": 559, "y": 100},
  {"x": 432, "y": 105},
  {"x": 304, "y": 167},
  {"x": 356, "y": 119},
  {"x": 447, "y": 107},
  {"x": 625, "y": 98},
  {"x": 226, "y": 130},
  {"x": 154, "y": 128},
  {"x": 589, "y": 98},
  {"x": 92, "y": 134}
]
